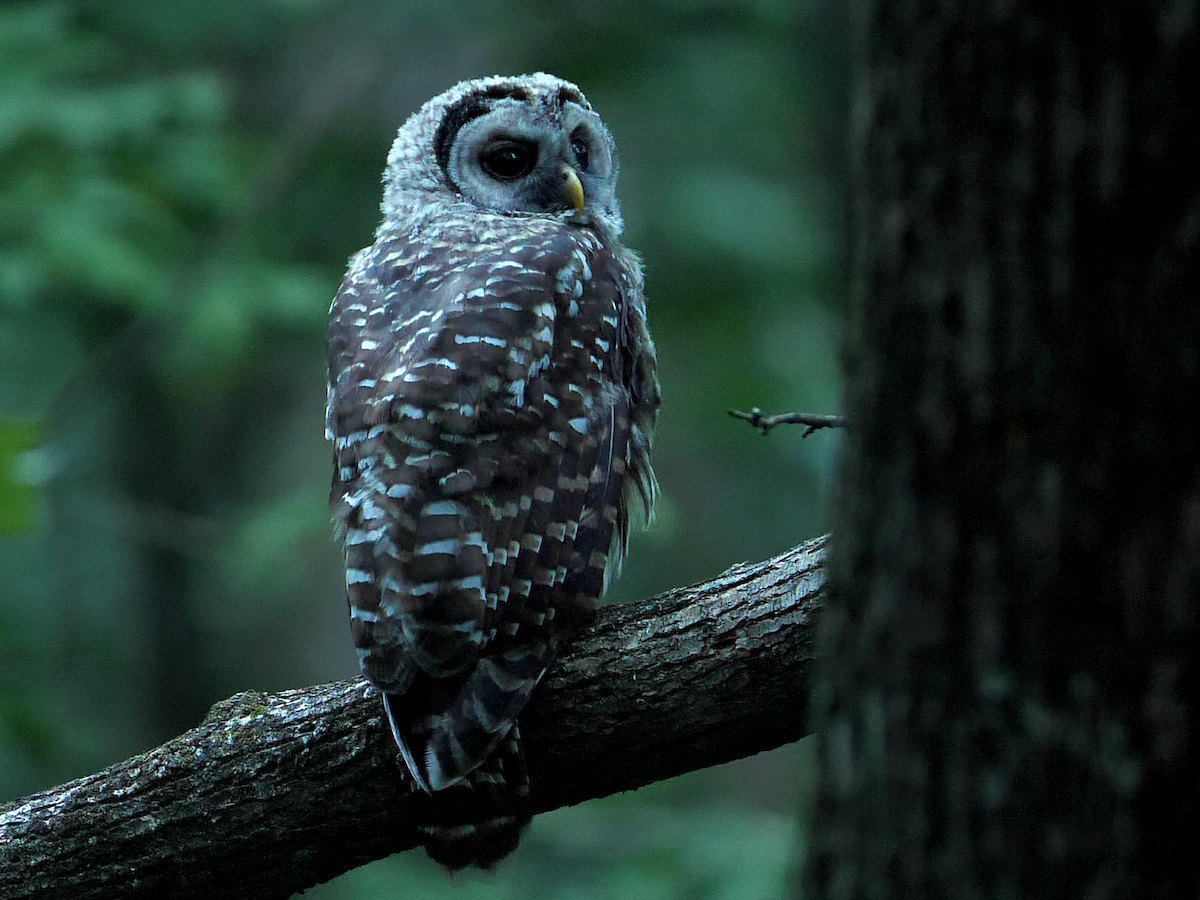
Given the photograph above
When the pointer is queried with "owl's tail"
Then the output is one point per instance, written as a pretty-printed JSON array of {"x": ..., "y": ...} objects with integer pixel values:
[
  {"x": 478, "y": 821},
  {"x": 470, "y": 757},
  {"x": 441, "y": 749}
]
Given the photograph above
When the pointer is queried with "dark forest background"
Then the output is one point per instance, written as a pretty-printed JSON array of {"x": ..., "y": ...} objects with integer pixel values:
[{"x": 180, "y": 187}]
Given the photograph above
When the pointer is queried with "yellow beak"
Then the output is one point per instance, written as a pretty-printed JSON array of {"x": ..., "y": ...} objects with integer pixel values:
[{"x": 572, "y": 187}]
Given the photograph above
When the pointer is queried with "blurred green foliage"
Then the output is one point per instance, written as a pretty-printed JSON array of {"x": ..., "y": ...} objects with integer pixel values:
[
  {"x": 18, "y": 475},
  {"x": 180, "y": 187}
]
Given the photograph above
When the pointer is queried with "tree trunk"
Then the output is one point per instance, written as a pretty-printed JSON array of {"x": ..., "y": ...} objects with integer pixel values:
[{"x": 1009, "y": 662}]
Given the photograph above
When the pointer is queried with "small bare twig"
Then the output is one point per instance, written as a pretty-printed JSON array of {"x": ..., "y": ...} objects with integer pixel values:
[{"x": 765, "y": 423}]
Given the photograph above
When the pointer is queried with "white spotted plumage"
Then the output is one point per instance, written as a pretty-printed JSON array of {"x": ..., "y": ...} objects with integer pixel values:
[{"x": 491, "y": 401}]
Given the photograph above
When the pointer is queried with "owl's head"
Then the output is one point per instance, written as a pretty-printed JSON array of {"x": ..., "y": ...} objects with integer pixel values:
[{"x": 527, "y": 145}]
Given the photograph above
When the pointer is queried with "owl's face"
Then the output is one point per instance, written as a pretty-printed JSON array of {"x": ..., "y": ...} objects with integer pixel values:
[
  {"x": 529, "y": 145},
  {"x": 523, "y": 157}
]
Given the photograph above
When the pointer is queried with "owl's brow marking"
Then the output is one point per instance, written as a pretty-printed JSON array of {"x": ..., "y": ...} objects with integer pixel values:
[
  {"x": 569, "y": 95},
  {"x": 470, "y": 107}
]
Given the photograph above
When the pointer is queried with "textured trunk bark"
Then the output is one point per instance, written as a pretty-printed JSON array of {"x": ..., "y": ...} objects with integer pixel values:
[{"x": 1007, "y": 693}]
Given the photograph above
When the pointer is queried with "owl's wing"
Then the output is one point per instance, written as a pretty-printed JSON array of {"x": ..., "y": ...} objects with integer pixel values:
[
  {"x": 479, "y": 497},
  {"x": 426, "y": 378},
  {"x": 549, "y": 588}
]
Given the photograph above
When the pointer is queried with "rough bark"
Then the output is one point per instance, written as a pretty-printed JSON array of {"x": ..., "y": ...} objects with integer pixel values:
[
  {"x": 1006, "y": 700},
  {"x": 275, "y": 793}
]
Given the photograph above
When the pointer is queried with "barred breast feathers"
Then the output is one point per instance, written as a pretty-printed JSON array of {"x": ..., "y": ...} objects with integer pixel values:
[{"x": 490, "y": 414}]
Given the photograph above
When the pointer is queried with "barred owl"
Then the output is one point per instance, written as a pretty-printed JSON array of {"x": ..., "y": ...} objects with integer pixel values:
[{"x": 492, "y": 394}]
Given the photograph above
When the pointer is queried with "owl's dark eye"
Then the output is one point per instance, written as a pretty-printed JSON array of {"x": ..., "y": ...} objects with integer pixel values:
[
  {"x": 580, "y": 148},
  {"x": 509, "y": 160}
]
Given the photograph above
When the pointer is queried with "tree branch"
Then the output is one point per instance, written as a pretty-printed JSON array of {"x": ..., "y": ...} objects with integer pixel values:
[
  {"x": 272, "y": 794},
  {"x": 765, "y": 423}
]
